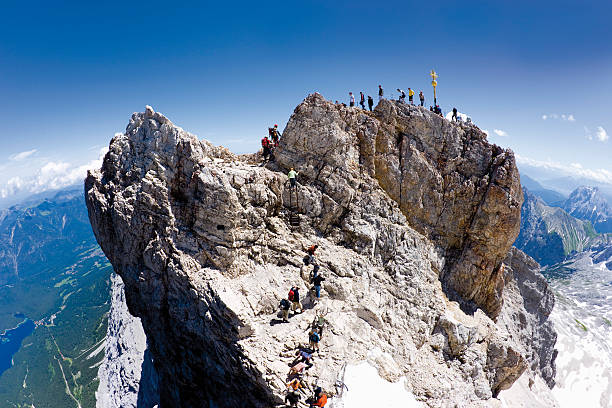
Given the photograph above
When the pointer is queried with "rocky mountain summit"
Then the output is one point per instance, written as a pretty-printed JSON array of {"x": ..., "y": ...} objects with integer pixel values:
[{"x": 413, "y": 215}]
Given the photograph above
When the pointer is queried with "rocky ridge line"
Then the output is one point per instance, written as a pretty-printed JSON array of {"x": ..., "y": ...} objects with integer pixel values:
[{"x": 200, "y": 237}]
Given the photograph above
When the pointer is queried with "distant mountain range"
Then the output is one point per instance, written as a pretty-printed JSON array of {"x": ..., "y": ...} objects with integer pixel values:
[
  {"x": 32, "y": 232},
  {"x": 587, "y": 203},
  {"x": 550, "y": 197},
  {"x": 553, "y": 227}
]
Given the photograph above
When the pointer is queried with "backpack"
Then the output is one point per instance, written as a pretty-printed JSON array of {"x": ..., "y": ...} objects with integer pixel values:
[
  {"x": 284, "y": 304},
  {"x": 290, "y": 297},
  {"x": 314, "y": 337},
  {"x": 322, "y": 400},
  {"x": 306, "y": 260}
]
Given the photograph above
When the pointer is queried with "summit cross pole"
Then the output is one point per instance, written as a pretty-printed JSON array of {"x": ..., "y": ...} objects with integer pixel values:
[{"x": 434, "y": 83}]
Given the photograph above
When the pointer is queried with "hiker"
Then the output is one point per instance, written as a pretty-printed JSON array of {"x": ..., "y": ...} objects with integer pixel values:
[
  {"x": 295, "y": 384},
  {"x": 352, "y": 99},
  {"x": 454, "y": 115},
  {"x": 319, "y": 399},
  {"x": 313, "y": 339},
  {"x": 362, "y": 100},
  {"x": 310, "y": 253},
  {"x": 292, "y": 175},
  {"x": 431, "y": 108},
  {"x": 316, "y": 280},
  {"x": 275, "y": 135},
  {"x": 439, "y": 110},
  {"x": 294, "y": 298},
  {"x": 304, "y": 356},
  {"x": 265, "y": 143},
  {"x": 318, "y": 323},
  {"x": 292, "y": 398},
  {"x": 380, "y": 93},
  {"x": 314, "y": 273},
  {"x": 402, "y": 96},
  {"x": 411, "y": 96},
  {"x": 284, "y": 308},
  {"x": 422, "y": 98},
  {"x": 297, "y": 369},
  {"x": 370, "y": 102}
]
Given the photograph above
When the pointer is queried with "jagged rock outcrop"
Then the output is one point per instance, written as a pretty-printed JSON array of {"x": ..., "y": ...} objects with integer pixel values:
[
  {"x": 450, "y": 183},
  {"x": 528, "y": 303},
  {"x": 201, "y": 239},
  {"x": 127, "y": 376}
]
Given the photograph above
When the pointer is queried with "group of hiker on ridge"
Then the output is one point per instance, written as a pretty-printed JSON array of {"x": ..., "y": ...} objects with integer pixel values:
[
  {"x": 305, "y": 354},
  {"x": 381, "y": 94}
]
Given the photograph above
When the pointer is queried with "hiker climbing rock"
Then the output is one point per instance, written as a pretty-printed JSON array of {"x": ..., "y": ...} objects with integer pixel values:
[
  {"x": 295, "y": 384},
  {"x": 370, "y": 102},
  {"x": 316, "y": 280},
  {"x": 304, "y": 355},
  {"x": 294, "y": 298},
  {"x": 411, "y": 96},
  {"x": 313, "y": 339},
  {"x": 292, "y": 175},
  {"x": 318, "y": 324},
  {"x": 297, "y": 369},
  {"x": 422, "y": 98},
  {"x": 266, "y": 144},
  {"x": 380, "y": 93},
  {"x": 292, "y": 398},
  {"x": 362, "y": 100},
  {"x": 275, "y": 135},
  {"x": 285, "y": 305},
  {"x": 319, "y": 399}
]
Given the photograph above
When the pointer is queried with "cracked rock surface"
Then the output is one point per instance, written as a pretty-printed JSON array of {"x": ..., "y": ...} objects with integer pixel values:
[{"x": 413, "y": 216}]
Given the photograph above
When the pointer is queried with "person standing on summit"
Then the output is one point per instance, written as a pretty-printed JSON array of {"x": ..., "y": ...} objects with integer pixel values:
[
  {"x": 422, "y": 98},
  {"x": 370, "y": 102},
  {"x": 352, "y": 99},
  {"x": 411, "y": 96},
  {"x": 454, "y": 115},
  {"x": 362, "y": 100},
  {"x": 380, "y": 93}
]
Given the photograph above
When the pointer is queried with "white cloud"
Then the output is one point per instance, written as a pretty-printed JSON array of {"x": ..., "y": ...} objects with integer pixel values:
[
  {"x": 51, "y": 176},
  {"x": 601, "y": 134},
  {"x": 565, "y": 117},
  {"x": 463, "y": 116},
  {"x": 22, "y": 155},
  {"x": 573, "y": 169},
  {"x": 500, "y": 132}
]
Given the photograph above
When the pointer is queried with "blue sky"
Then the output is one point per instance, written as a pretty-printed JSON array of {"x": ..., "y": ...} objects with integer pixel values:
[{"x": 72, "y": 73}]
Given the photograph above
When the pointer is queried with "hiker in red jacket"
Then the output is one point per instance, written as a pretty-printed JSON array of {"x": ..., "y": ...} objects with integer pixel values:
[{"x": 266, "y": 144}]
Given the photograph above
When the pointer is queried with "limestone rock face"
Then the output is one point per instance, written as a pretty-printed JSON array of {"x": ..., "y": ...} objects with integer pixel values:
[
  {"x": 202, "y": 241},
  {"x": 127, "y": 376},
  {"x": 528, "y": 302},
  {"x": 451, "y": 184}
]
